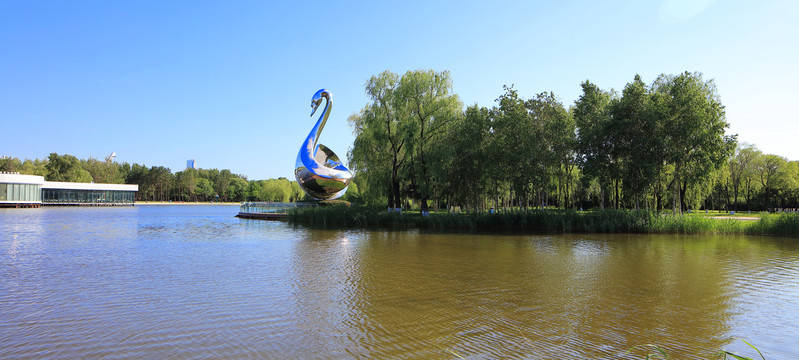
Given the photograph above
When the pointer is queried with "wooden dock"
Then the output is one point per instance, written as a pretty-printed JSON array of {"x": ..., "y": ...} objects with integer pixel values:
[
  {"x": 20, "y": 205},
  {"x": 264, "y": 216}
]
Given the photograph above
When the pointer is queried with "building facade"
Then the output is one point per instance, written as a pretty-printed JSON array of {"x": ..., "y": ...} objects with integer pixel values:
[
  {"x": 20, "y": 190},
  {"x": 33, "y": 191}
]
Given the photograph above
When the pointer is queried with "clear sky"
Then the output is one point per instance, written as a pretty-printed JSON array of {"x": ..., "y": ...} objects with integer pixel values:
[{"x": 229, "y": 83}]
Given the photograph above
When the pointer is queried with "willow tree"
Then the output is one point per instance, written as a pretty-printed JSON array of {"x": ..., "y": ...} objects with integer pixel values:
[
  {"x": 394, "y": 133},
  {"x": 382, "y": 132},
  {"x": 773, "y": 175},
  {"x": 741, "y": 169},
  {"x": 430, "y": 106},
  {"x": 693, "y": 129}
]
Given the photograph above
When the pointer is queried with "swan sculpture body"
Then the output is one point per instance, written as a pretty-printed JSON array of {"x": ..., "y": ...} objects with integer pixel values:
[{"x": 318, "y": 170}]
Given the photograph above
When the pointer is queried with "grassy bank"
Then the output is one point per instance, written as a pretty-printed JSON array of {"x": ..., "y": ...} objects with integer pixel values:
[{"x": 559, "y": 221}]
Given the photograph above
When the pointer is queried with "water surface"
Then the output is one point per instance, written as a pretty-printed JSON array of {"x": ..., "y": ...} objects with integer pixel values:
[{"x": 193, "y": 282}]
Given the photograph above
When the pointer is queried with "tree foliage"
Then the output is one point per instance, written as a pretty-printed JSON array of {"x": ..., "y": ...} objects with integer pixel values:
[
  {"x": 395, "y": 132},
  {"x": 645, "y": 147}
]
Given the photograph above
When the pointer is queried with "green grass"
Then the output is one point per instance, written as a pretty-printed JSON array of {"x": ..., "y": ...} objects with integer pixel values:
[{"x": 550, "y": 221}]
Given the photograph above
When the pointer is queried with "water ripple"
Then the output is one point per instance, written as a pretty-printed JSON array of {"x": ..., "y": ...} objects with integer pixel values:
[{"x": 196, "y": 283}]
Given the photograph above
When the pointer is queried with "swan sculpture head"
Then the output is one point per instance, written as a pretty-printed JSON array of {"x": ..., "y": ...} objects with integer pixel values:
[
  {"x": 318, "y": 170},
  {"x": 316, "y": 100}
]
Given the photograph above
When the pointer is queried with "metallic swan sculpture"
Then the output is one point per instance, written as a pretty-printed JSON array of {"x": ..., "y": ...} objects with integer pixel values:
[{"x": 318, "y": 170}]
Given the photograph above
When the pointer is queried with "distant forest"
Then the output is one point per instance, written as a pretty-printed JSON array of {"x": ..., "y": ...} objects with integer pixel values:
[{"x": 158, "y": 183}]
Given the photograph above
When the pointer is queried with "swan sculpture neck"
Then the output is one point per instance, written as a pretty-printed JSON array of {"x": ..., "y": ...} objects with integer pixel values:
[
  {"x": 318, "y": 169},
  {"x": 316, "y": 100}
]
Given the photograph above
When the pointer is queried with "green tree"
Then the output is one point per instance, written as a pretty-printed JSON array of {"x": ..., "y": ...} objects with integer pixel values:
[
  {"x": 694, "y": 124},
  {"x": 382, "y": 132},
  {"x": 594, "y": 141},
  {"x": 515, "y": 155},
  {"x": 466, "y": 146},
  {"x": 430, "y": 106},
  {"x": 237, "y": 189},
  {"x": 741, "y": 170},
  {"x": 186, "y": 184},
  {"x": 554, "y": 139},
  {"x": 66, "y": 168},
  {"x": 773, "y": 175},
  {"x": 105, "y": 172},
  {"x": 638, "y": 145},
  {"x": 10, "y": 164},
  {"x": 205, "y": 190},
  {"x": 221, "y": 183},
  {"x": 157, "y": 184},
  {"x": 34, "y": 167}
]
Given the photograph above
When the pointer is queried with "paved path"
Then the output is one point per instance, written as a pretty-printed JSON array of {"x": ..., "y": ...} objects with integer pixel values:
[{"x": 736, "y": 217}]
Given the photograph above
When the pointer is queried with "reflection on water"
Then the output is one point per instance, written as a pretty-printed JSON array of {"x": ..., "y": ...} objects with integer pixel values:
[{"x": 195, "y": 282}]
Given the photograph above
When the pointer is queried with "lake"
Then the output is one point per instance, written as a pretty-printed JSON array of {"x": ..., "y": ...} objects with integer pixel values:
[{"x": 194, "y": 282}]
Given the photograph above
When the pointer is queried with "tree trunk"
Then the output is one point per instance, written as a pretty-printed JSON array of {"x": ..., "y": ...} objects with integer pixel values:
[
  {"x": 601, "y": 197},
  {"x": 683, "y": 189}
]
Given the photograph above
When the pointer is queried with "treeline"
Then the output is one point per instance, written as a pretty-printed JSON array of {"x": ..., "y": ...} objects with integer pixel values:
[
  {"x": 657, "y": 146},
  {"x": 158, "y": 183}
]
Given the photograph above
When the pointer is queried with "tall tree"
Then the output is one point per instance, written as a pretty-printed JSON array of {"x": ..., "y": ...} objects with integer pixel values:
[
  {"x": 694, "y": 124},
  {"x": 430, "y": 105},
  {"x": 741, "y": 167},
  {"x": 517, "y": 153},
  {"x": 555, "y": 139},
  {"x": 382, "y": 132},
  {"x": 773, "y": 175},
  {"x": 638, "y": 144},
  {"x": 594, "y": 142},
  {"x": 466, "y": 145}
]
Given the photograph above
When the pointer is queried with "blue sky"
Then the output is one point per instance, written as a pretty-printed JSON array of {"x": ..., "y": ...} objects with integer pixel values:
[{"x": 229, "y": 83}]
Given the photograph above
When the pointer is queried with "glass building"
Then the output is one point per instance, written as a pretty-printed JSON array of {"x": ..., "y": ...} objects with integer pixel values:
[
  {"x": 66, "y": 193},
  {"x": 20, "y": 190},
  {"x": 32, "y": 191}
]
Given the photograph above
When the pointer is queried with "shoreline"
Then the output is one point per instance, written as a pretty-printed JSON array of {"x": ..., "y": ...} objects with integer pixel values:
[
  {"x": 180, "y": 203},
  {"x": 548, "y": 221}
]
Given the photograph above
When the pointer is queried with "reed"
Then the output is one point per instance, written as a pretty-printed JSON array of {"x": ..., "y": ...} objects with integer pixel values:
[
  {"x": 562, "y": 221},
  {"x": 785, "y": 224}
]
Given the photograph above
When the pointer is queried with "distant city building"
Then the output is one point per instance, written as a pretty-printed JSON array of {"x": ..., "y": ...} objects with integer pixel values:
[
  {"x": 190, "y": 164},
  {"x": 33, "y": 191}
]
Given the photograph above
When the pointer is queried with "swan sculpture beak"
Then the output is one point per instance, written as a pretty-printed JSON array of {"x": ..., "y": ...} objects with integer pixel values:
[
  {"x": 314, "y": 106},
  {"x": 316, "y": 101}
]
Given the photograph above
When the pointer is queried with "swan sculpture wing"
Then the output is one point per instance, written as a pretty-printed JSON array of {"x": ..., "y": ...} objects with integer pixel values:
[{"x": 318, "y": 169}]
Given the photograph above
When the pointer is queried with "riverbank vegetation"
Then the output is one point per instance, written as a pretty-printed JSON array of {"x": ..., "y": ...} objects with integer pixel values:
[
  {"x": 545, "y": 221},
  {"x": 655, "y": 146}
]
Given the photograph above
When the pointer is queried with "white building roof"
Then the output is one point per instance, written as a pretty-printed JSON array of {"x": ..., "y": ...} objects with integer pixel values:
[
  {"x": 16, "y": 178},
  {"x": 88, "y": 186}
]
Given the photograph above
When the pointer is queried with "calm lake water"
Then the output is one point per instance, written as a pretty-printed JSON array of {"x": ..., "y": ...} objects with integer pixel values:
[{"x": 193, "y": 282}]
